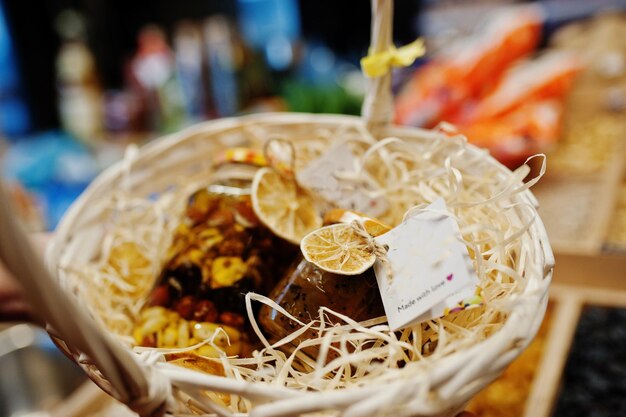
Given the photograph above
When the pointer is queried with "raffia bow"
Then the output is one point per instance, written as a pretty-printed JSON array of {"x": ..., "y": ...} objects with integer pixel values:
[{"x": 379, "y": 64}]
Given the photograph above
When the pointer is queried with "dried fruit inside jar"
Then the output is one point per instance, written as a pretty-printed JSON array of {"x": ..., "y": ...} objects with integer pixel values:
[
  {"x": 219, "y": 253},
  {"x": 305, "y": 288}
]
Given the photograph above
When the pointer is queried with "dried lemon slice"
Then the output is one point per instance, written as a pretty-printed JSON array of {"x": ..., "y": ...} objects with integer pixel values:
[
  {"x": 283, "y": 206},
  {"x": 338, "y": 248},
  {"x": 372, "y": 226}
]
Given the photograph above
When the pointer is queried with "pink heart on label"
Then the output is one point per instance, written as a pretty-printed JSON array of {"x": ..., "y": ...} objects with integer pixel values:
[{"x": 449, "y": 277}]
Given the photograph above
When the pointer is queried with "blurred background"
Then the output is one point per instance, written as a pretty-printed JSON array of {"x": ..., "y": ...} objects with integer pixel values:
[{"x": 82, "y": 79}]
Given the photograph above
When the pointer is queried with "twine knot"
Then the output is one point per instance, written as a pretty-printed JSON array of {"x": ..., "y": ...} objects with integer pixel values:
[{"x": 380, "y": 251}]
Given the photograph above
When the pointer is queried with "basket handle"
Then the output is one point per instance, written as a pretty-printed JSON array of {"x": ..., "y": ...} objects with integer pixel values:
[
  {"x": 129, "y": 381},
  {"x": 377, "y": 110}
]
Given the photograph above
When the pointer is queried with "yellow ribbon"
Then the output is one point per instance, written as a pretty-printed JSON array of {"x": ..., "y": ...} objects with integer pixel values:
[{"x": 376, "y": 65}]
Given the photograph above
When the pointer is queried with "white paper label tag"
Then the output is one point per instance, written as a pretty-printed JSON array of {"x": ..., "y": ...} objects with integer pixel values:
[
  {"x": 321, "y": 176},
  {"x": 431, "y": 268}
]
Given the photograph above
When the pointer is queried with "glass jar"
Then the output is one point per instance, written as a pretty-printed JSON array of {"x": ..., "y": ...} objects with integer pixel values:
[
  {"x": 219, "y": 253},
  {"x": 305, "y": 288}
]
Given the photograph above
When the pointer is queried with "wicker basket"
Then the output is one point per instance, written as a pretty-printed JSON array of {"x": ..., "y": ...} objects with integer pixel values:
[{"x": 150, "y": 387}]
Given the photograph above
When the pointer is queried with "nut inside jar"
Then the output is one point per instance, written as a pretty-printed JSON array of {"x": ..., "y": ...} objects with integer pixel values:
[{"x": 219, "y": 253}]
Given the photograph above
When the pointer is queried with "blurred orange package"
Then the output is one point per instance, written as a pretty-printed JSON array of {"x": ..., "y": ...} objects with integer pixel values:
[
  {"x": 549, "y": 76},
  {"x": 523, "y": 114},
  {"x": 468, "y": 68},
  {"x": 525, "y": 131}
]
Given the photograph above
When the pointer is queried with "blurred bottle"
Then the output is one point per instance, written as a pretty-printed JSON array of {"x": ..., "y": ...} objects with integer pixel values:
[
  {"x": 14, "y": 115},
  {"x": 153, "y": 74},
  {"x": 223, "y": 60},
  {"x": 271, "y": 30},
  {"x": 80, "y": 94},
  {"x": 324, "y": 83},
  {"x": 272, "y": 26},
  {"x": 124, "y": 113},
  {"x": 189, "y": 59}
]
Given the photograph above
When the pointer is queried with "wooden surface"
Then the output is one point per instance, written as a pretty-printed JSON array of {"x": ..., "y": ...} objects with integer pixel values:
[
  {"x": 570, "y": 301},
  {"x": 577, "y": 210},
  {"x": 596, "y": 271},
  {"x": 545, "y": 387}
]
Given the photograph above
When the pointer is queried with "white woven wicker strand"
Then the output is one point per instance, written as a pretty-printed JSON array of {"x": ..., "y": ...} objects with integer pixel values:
[{"x": 439, "y": 386}]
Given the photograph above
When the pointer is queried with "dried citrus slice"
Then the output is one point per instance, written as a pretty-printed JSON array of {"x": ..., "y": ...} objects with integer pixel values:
[
  {"x": 339, "y": 249},
  {"x": 372, "y": 226},
  {"x": 283, "y": 206}
]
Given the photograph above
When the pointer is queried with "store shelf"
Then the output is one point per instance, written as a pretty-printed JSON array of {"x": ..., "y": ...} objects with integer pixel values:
[
  {"x": 577, "y": 210},
  {"x": 554, "y": 342},
  {"x": 601, "y": 271},
  {"x": 570, "y": 301},
  {"x": 546, "y": 384}
]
